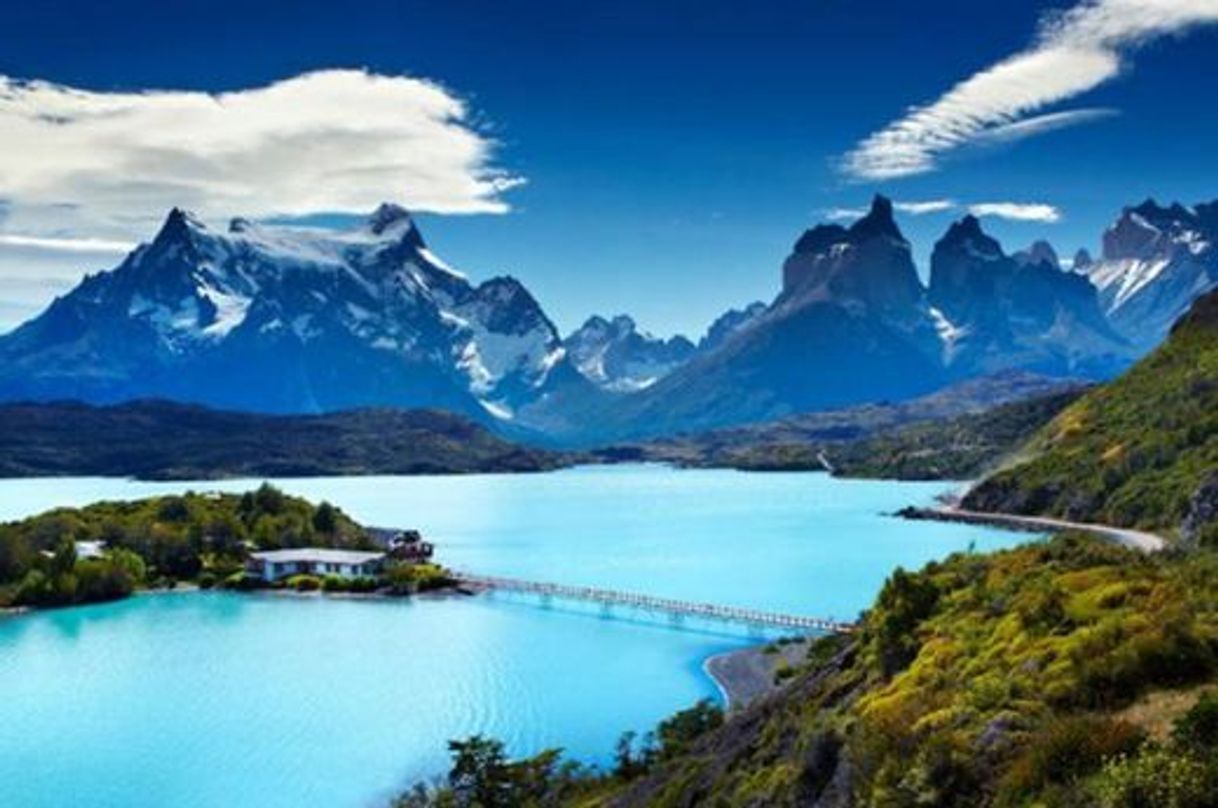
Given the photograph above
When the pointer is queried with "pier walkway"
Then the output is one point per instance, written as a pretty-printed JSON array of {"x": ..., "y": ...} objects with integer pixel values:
[{"x": 674, "y": 608}]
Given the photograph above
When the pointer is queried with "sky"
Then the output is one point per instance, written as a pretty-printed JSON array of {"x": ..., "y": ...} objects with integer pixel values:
[{"x": 657, "y": 159}]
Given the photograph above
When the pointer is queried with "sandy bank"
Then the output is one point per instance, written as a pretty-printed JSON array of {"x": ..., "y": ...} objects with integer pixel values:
[{"x": 744, "y": 675}]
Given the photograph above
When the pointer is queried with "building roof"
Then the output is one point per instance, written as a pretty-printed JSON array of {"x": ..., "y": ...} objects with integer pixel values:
[
  {"x": 90, "y": 549},
  {"x": 320, "y": 555}
]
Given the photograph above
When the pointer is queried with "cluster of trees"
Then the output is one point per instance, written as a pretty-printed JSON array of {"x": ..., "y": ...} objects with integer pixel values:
[
  {"x": 158, "y": 541},
  {"x": 482, "y": 775}
]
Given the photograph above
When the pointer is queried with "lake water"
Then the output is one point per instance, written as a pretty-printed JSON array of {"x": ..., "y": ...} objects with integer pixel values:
[{"x": 210, "y": 699}]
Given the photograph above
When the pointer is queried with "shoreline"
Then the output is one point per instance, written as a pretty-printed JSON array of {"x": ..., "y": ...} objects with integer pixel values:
[
  {"x": 1126, "y": 537},
  {"x": 746, "y": 674}
]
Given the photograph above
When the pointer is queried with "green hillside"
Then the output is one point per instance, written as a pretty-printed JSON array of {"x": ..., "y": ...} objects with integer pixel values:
[
  {"x": 1061, "y": 673},
  {"x": 1064, "y": 673},
  {"x": 1140, "y": 452}
]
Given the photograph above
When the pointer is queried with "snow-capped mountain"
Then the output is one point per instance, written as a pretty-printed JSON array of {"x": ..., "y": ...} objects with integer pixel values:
[
  {"x": 281, "y": 319},
  {"x": 1021, "y": 311},
  {"x": 616, "y": 356},
  {"x": 1155, "y": 262}
]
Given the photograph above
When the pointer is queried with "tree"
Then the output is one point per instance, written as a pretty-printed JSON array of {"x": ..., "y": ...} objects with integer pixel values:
[
  {"x": 325, "y": 519},
  {"x": 269, "y": 499},
  {"x": 480, "y": 774}
]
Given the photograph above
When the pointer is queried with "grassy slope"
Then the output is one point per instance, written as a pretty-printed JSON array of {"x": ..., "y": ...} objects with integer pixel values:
[
  {"x": 156, "y": 439},
  {"x": 1132, "y": 452},
  {"x": 952, "y": 449},
  {"x": 1048, "y": 674},
  {"x": 984, "y": 680}
]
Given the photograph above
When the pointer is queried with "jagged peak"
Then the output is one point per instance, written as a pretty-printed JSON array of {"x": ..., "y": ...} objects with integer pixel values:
[
  {"x": 967, "y": 235},
  {"x": 624, "y": 322},
  {"x": 1082, "y": 260},
  {"x": 392, "y": 218},
  {"x": 179, "y": 227},
  {"x": 879, "y": 221},
  {"x": 1039, "y": 252}
]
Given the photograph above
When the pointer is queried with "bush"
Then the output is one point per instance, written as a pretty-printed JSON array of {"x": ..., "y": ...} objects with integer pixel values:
[
  {"x": 242, "y": 581},
  {"x": 334, "y": 583},
  {"x": 206, "y": 579},
  {"x": 1067, "y": 749},
  {"x": 1198, "y": 728},
  {"x": 304, "y": 583},
  {"x": 406, "y": 579},
  {"x": 364, "y": 584},
  {"x": 1153, "y": 777}
]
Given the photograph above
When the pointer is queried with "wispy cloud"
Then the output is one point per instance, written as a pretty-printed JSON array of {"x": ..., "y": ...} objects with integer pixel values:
[
  {"x": 927, "y": 206},
  {"x": 844, "y": 214},
  {"x": 73, "y": 245},
  {"x": 1018, "y": 211},
  {"x": 78, "y": 163},
  {"x": 1075, "y": 51},
  {"x": 915, "y": 208}
]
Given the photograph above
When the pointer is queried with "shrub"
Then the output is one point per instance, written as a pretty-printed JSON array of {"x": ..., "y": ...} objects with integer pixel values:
[
  {"x": 206, "y": 579},
  {"x": 363, "y": 584},
  {"x": 405, "y": 579},
  {"x": 334, "y": 583},
  {"x": 1067, "y": 749},
  {"x": 1153, "y": 777},
  {"x": 1198, "y": 728},
  {"x": 242, "y": 581},
  {"x": 304, "y": 583}
]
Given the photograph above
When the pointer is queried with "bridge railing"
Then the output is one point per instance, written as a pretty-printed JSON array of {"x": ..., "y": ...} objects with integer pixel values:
[{"x": 614, "y": 597}]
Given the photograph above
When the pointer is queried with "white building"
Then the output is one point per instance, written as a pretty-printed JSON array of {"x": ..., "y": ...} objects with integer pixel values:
[
  {"x": 275, "y": 564},
  {"x": 90, "y": 549}
]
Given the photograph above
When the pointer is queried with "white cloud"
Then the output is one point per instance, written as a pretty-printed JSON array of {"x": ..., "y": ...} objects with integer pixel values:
[
  {"x": 927, "y": 206},
  {"x": 74, "y": 245},
  {"x": 1017, "y": 211},
  {"x": 914, "y": 208},
  {"x": 107, "y": 165},
  {"x": 1074, "y": 52},
  {"x": 844, "y": 214}
]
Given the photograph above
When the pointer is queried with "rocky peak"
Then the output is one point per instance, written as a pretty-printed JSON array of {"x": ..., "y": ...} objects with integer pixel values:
[
  {"x": 394, "y": 221},
  {"x": 1082, "y": 260},
  {"x": 1151, "y": 230},
  {"x": 868, "y": 263},
  {"x": 179, "y": 227},
  {"x": 615, "y": 355},
  {"x": 966, "y": 236},
  {"x": 879, "y": 221},
  {"x": 1041, "y": 252}
]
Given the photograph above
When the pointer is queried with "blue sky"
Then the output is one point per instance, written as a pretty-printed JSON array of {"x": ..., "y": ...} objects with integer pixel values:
[{"x": 671, "y": 152}]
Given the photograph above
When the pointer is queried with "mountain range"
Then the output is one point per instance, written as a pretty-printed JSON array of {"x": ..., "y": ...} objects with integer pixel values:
[
  {"x": 280, "y": 319},
  {"x": 283, "y": 320},
  {"x": 1155, "y": 261}
]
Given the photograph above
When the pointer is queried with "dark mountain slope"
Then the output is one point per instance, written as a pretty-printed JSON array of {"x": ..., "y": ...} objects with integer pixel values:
[{"x": 156, "y": 439}]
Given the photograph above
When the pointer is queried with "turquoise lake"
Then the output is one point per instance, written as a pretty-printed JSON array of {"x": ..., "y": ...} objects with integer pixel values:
[{"x": 213, "y": 699}]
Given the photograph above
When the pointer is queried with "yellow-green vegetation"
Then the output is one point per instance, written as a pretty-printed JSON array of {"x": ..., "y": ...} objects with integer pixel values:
[
  {"x": 201, "y": 537},
  {"x": 1137, "y": 452},
  {"x": 984, "y": 680},
  {"x": 407, "y": 579}
]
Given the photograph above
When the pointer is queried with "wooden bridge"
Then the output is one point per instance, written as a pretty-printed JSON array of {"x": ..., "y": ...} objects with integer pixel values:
[{"x": 676, "y": 609}]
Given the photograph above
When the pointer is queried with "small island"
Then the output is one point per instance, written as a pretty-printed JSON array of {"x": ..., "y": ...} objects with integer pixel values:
[{"x": 260, "y": 540}]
